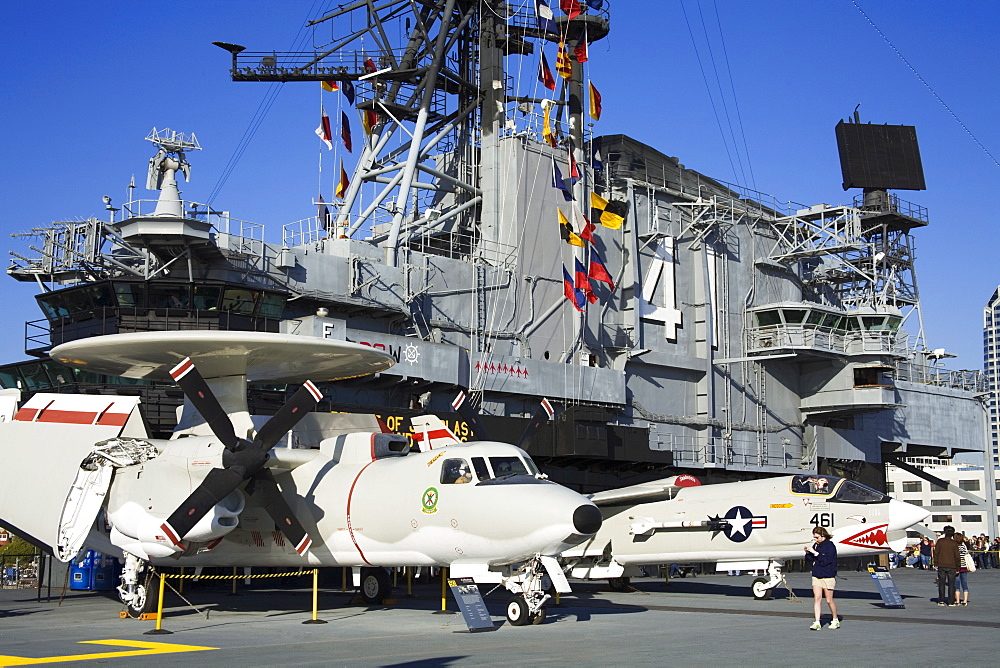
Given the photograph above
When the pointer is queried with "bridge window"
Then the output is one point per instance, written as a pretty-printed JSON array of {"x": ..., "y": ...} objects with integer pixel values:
[
  {"x": 239, "y": 301},
  {"x": 912, "y": 486},
  {"x": 794, "y": 316},
  {"x": 941, "y": 518},
  {"x": 206, "y": 297},
  {"x": 166, "y": 296},
  {"x": 271, "y": 306},
  {"x": 101, "y": 296},
  {"x": 768, "y": 318},
  {"x": 972, "y": 518},
  {"x": 870, "y": 376},
  {"x": 969, "y": 485},
  {"x": 130, "y": 295}
]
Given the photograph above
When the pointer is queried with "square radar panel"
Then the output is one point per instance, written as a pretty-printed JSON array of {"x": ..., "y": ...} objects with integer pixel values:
[{"x": 879, "y": 157}]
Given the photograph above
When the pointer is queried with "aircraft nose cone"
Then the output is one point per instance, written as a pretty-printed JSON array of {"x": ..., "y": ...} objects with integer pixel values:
[
  {"x": 587, "y": 519},
  {"x": 903, "y": 515}
]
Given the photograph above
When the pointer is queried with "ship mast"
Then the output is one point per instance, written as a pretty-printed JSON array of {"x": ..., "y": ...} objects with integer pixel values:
[{"x": 430, "y": 171}]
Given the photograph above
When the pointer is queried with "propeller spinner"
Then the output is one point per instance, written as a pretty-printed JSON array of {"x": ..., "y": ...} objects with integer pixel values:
[{"x": 242, "y": 459}]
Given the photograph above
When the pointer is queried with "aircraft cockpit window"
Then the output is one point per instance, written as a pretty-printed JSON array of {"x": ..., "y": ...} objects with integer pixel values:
[
  {"x": 814, "y": 484},
  {"x": 507, "y": 466},
  {"x": 482, "y": 471},
  {"x": 455, "y": 472},
  {"x": 532, "y": 469},
  {"x": 855, "y": 492}
]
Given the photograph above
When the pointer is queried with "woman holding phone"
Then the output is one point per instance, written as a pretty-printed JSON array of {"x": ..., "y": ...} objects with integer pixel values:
[{"x": 822, "y": 555}]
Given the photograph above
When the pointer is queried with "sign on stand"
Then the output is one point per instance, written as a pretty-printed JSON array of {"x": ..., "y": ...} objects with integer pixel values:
[
  {"x": 470, "y": 602},
  {"x": 886, "y": 587}
]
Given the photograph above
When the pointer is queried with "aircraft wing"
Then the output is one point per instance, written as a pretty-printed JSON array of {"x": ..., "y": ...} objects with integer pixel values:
[{"x": 654, "y": 490}]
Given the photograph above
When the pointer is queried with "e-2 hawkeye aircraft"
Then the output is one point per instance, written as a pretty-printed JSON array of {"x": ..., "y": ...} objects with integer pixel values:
[
  {"x": 218, "y": 493},
  {"x": 756, "y": 524}
]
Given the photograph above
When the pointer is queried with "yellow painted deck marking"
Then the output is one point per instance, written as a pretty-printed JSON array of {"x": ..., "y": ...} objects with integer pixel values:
[{"x": 144, "y": 649}]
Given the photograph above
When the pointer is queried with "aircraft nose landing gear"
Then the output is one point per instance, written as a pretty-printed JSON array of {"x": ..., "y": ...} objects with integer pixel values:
[{"x": 529, "y": 586}]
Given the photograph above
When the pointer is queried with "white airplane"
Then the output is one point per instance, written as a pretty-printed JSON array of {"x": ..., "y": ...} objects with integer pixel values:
[
  {"x": 88, "y": 476},
  {"x": 751, "y": 525}
]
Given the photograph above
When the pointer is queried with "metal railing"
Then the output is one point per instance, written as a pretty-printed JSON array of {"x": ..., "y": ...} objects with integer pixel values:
[
  {"x": 928, "y": 374},
  {"x": 822, "y": 338},
  {"x": 771, "y": 451}
]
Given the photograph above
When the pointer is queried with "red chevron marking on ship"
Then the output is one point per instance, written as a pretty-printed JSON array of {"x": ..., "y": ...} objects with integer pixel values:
[{"x": 874, "y": 538}]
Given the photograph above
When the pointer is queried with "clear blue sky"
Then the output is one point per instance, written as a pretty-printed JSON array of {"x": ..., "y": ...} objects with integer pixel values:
[{"x": 85, "y": 82}]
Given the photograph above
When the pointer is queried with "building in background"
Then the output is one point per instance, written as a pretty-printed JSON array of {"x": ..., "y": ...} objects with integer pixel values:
[
  {"x": 957, "y": 494},
  {"x": 991, "y": 358}
]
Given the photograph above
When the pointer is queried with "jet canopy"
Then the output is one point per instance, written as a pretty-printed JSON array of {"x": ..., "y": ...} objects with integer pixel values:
[{"x": 837, "y": 489}]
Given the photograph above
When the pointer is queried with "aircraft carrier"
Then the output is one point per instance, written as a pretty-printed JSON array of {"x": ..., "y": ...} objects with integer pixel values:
[{"x": 496, "y": 245}]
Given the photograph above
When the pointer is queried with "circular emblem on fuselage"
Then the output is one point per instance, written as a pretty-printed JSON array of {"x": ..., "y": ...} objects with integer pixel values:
[
  {"x": 740, "y": 522},
  {"x": 430, "y": 500}
]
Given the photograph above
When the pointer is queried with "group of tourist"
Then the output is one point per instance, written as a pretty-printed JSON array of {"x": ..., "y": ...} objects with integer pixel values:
[{"x": 984, "y": 553}]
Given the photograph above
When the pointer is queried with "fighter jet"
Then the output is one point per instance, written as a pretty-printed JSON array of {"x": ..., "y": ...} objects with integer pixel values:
[
  {"x": 753, "y": 525},
  {"x": 219, "y": 493}
]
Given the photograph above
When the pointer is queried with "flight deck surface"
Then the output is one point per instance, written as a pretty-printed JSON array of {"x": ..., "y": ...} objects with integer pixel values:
[{"x": 707, "y": 620}]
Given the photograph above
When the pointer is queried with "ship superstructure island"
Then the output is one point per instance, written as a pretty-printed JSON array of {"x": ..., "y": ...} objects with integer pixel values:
[{"x": 484, "y": 234}]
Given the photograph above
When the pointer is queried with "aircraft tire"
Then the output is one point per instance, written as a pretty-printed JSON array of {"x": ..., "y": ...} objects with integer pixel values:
[
  {"x": 760, "y": 592},
  {"x": 517, "y": 611},
  {"x": 620, "y": 584},
  {"x": 146, "y": 597},
  {"x": 538, "y": 617},
  {"x": 375, "y": 585}
]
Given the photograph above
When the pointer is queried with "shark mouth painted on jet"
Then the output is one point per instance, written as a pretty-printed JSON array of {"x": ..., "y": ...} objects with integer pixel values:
[{"x": 872, "y": 537}]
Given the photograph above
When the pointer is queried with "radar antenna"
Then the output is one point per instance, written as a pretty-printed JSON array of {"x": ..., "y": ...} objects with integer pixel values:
[{"x": 164, "y": 165}]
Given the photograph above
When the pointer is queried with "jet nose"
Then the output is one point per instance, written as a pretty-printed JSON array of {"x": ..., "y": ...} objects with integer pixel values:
[
  {"x": 587, "y": 519},
  {"x": 903, "y": 515}
]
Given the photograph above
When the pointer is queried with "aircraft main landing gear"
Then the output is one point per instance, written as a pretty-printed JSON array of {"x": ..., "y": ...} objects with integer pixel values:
[
  {"x": 760, "y": 590},
  {"x": 376, "y": 585},
  {"x": 135, "y": 590},
  {"x": 763, "y": 587}
]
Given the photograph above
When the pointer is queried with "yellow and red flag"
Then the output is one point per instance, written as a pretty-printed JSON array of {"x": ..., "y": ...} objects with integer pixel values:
[
  {"x": 563, "y": 65},
  {"x": 595, "y": 102},
  {"x": 343, "y": 183}
]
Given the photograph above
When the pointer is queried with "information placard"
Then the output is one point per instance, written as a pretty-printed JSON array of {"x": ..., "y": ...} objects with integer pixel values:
[
  {"x": 886, "y": 587},
  {"x": 470, "y": 602}
]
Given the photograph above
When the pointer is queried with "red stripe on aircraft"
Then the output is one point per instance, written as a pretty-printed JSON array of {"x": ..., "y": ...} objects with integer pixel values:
[
  {"x": 350, "y": 528},
  {"x": 72, "y": 417},
  {"x": 25, "y": 414},
  {"x": 304, "y": 544},
  {"x": 171, "y": 534},
  {"x": 437, "y": 434},
  {"x": 313, "y": 390},
  {"x": 182, "y": 368}
]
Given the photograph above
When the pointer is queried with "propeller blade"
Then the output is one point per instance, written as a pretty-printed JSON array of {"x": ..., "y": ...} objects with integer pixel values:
[
  {"x": 216, "y": 485},
  {"x": 264, "y": 489},
  {"x": 303, "y": 401},
  {"x": 200, "y": 395}
]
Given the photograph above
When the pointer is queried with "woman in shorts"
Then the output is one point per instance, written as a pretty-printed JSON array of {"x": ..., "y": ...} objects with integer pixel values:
[
  {"x": 962, "y": 577},
  {"x": 822, "y": 554}
]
